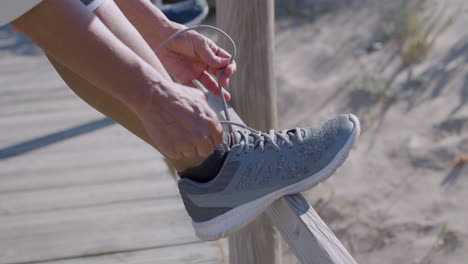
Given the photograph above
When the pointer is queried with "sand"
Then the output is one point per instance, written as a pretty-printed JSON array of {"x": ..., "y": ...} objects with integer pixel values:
[{"x": 399, "y": 198}]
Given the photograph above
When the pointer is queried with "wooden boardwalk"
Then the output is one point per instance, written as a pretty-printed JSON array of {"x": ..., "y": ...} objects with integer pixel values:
[{"x": 77, "y": 188}]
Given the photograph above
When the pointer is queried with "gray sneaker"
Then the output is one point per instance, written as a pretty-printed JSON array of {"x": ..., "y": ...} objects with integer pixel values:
[{"x": 261, "y": 168}]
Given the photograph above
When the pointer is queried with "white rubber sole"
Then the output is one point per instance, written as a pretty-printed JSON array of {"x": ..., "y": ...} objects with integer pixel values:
[{"x": 242, "y": 215}]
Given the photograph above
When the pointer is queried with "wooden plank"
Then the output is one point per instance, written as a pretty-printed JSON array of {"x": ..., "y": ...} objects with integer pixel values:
[
  {"x": 102, "y": 156},
  {"x": 92, "y": 138},
  {"x": 56, "y": 120},
  {"x": 102, "y": 132},
  {"x": 46, "y": 176},
  {"x": 196, "y": 253},
  {"x": 305, "y": 232},
  {"x": 142, "y": 188},
  {"x": 31, "y": 95},
  {"x": 25, "y": 126},
  {"x": 18, "y": 107},
  {"x": 251, "y": 26},
  {"x": 94, "y": 230}
]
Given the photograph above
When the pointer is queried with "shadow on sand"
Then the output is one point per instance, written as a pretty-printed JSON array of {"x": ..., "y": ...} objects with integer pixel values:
[
  {"x": 437, "y": 78},
  {"x": 453, "y": 175}
]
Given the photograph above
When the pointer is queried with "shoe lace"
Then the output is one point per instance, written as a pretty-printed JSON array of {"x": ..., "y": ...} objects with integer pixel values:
[{"x": 260, "y": 139}]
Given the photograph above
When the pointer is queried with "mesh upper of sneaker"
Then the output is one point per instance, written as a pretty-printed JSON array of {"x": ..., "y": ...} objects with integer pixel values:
[{"x": 248, "y": 175}]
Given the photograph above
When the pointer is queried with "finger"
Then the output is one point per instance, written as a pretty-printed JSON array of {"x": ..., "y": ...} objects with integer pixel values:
[
  {"x": 228, "y": 71},
  {"x": 218, "y": 137},
  {"x": 222, "y": 53},
  {"x": 227, "y": 95},
  {"x": 216, "y": 133},
  {"x": 231, "y": 69},
  {"x": 209, "y": 55},
  {"x": 214, "y": 71},
  {"x": 224, "y": 79},
  {"x": 212, "y": 85},
  {"x": 169, "y": 153},
  {"x": 188, "y": 151},
  {"x": 199, "y": 146},
  {"x": 205, "y": 147},
  {"x": 211, "y": 125},
  {"x": 209, "y": 82},
  {"x": 190, "y": 84}
]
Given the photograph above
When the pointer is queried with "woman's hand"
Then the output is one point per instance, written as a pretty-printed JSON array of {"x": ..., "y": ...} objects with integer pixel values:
[
  {"x": 192, "y": 56},
  {"x": 182, "y": 124}
]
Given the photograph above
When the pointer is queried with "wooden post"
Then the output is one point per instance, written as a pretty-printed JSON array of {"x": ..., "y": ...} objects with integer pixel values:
[{"x": 251, "y": 25}]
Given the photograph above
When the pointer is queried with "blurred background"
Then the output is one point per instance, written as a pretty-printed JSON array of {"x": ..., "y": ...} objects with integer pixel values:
[{"x": 400, "y": 66}]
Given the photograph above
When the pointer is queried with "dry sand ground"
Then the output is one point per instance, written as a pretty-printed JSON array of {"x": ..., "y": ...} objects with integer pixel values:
[{"x": 399, "y": 198}]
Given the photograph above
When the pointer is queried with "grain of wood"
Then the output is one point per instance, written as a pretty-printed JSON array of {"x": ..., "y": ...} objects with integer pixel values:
[
  {"x": 306, "y": 233},
  {"x": 94, "y": 230},
  {"x": 42, "y": 200},
  {"x": 194, "y": 253},
  {"x": 251, "y": 26},
  {"x": 39, "y": 170}
]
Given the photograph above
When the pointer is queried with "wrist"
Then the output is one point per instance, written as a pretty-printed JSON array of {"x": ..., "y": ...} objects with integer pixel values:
[
  {"x": 152, "y": 93},
  {"x": 136, "y": 85},
  {"x": 152, "y": 24},
  {"x": 156, "y": 35}
]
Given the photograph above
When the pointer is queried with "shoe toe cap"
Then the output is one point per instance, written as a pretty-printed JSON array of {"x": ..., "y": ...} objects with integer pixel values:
[
  {"x": 348, "y": 126},
  {"x": 328, "y": 138}
]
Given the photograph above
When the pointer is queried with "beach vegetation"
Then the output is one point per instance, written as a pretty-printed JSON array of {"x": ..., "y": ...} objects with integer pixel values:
[{"x": 416, "y": 30}]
